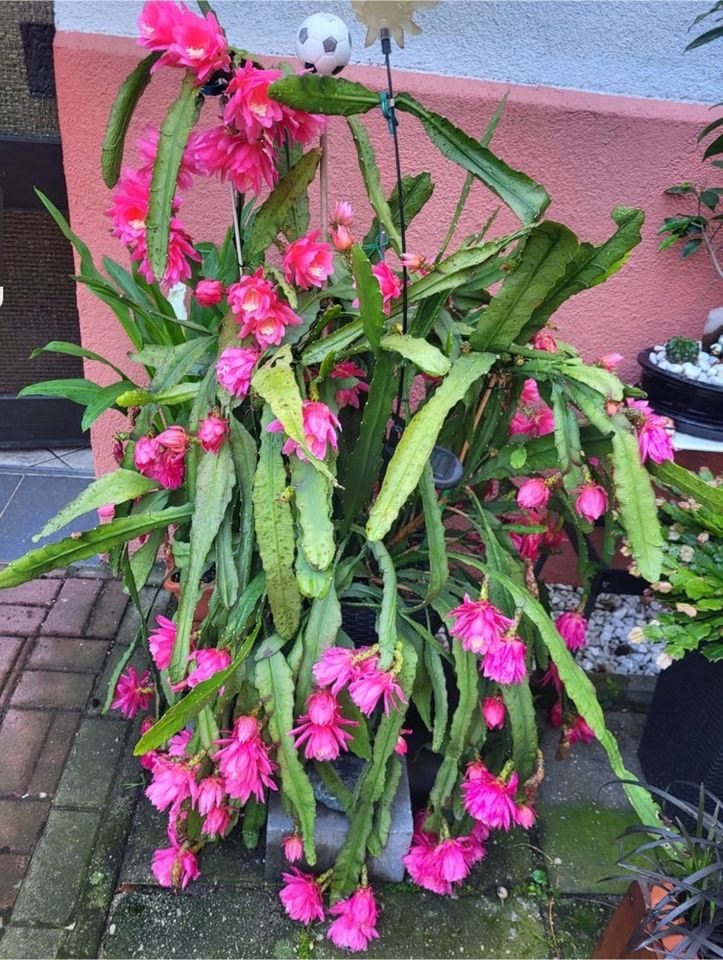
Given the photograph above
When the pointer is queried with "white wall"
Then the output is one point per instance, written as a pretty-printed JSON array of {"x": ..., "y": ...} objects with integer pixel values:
[{"x": 632, "y": 47}]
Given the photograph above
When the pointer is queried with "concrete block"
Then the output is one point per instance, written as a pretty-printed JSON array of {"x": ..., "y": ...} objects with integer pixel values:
[{"x": 331, "y": 830}]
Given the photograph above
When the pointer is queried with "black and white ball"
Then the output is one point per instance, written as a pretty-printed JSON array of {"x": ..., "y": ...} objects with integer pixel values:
[{"x": 323, "y": 44}]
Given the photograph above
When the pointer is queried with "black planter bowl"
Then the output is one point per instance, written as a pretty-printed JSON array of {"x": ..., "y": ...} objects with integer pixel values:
[
  {"x": 696, "y": 408},
  {"x": 682, "y": 741}
]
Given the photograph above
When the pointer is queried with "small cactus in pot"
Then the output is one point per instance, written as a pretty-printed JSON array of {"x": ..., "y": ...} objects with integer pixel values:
[{"x": 682, "y": 350}]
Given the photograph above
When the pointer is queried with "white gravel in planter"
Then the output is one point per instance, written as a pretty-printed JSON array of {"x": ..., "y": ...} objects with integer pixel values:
[
  {"x": 608, "y": 648},
  {"x": 707, "y": 369}
]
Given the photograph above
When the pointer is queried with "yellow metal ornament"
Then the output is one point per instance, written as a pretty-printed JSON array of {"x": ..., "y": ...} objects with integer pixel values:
[{"x": 391, "y": 16}]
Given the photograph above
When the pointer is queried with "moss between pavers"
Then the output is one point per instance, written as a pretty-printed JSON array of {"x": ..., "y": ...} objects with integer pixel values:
[
  {"x": 578, "y": 924},
  {"x": 240, "y": 922},
  {"x": 581, "y": 846}
]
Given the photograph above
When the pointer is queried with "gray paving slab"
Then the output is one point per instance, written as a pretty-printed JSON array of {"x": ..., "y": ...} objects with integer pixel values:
[
  {"x": 30, "y": 943},
  {"x": 90, "y": 768},
  {"x": 36, "y": 500}
]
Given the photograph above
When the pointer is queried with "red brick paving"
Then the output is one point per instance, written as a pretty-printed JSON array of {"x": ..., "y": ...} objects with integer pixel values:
[
  {"x": 72, "y": 607},
  {"x": 54, "y": 638}
]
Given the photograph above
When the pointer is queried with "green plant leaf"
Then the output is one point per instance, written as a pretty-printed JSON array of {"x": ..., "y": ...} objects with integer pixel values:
[
  {"x": 545, "y": 256},
  {"x": 214, "y": 485},
  {"x": 365, "y": 460},
  {"x": 328, "y": 95},
  {"x": 633, "y": 488},
  {"x": 276, "y": 384},
  {"x": 320, "y": 632},
  {"x": 527, "y": 199},
  {"x": 590, "y": 266},
  {"x": 75, "y": 389},
  {"x": 416, "y": 443},
  {"x": 275, "y": 532},
  {"x": 312, "y": 497},
  {"x": 275, "y": 684},
  {"x": 245, "y": 456},
  {"x": 106, "y": 398},
  {"x": 426, "y": 356},
  {"x": 170, "y": 396},
  {"x": 74, "y": 350},
  {"x": 227, "y": 582},
  {"x": 276, "y": 209},
  {"x": 467, "y": 673},
  {"x": 120, "y": 117},
  {"x": 686, "y": 482},
  {"x": 117, "y": 487},
  {"x": 83, "y": 545},
  {"x": 175, "y": 131},
  {"x": 178, "y": 715},
  {"x": 370, "y": 297},
  {"x": 370, "y": 173},
  {"x": 438, "y": 566},
  {"x": 417, "y": 189},
  {"x": 577, "y": 685},
  {"x": 386, "y": 624}
]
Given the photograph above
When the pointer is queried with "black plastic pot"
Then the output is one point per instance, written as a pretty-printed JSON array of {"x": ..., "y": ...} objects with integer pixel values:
[
  {"x": 683, "y": 735},
  {"x": 696, "y": 408},
  {"x": 422, "y": 764}
]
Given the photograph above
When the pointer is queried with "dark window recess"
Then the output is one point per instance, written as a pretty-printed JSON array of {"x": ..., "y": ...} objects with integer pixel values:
[{"x": 38, "y": 52}]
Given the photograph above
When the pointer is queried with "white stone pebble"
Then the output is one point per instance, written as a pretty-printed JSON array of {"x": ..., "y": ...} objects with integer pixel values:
[
  {"x": 707, "y": 368},
  {"x": 610, "y": 624}
]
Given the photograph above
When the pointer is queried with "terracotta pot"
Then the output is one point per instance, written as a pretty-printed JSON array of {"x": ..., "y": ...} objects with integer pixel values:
[
  {"x": 626, "y": 924},
  {"x": 174, "y": 587}
]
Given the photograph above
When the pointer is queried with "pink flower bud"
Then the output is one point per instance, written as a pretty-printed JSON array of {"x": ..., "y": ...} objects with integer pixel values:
[
  {"x": 212, "y": 432},
  {"x": 106, "y": 513},
  {"x": 591, "y": 502},
  {"x": 534, "y": 493},
  {"x": 293, "y": 848},
  {"x": 209, "y": 292},
  {"x": 494, "y": 712},
  {"x": 610, "y": 360}
]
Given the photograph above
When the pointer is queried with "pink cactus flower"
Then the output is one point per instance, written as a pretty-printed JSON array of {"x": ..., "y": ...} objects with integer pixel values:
[
  {"x": 174, "y": 439},
  {"x": 534, "y": 493},
  {"x": 308, "y": 262},
  {"x": 389, "y": 284},
  {"x": 217, "y": 821},
  {"x": 654, "y": 440},
  {"x": 161, "y": 641},
  {"x": 534, "y": 417},
  {"x": 175, "y": 866},
  {"x": 234, "y": 369},
  {"x": 301, "y": 896},
  {"x": 530, "y": 394},
  {"x": 525, "y": 815},
  {"x": 349, "y": 396},
  {"x": 212, "y": 432},
  {"x": 400, "y": 746},
  {"x": 554, "y": 716},
  {"x": 506, "y": 663},
  {"x": 243, "y": 761},
  {"x": 488, "y": 798},
  {"x": 272, "y": 329},
  {"x": 211, "y": 792},
  {"x": 209, "y": 293},
  {"x": 173, "y": 781},
  {"x": 251, "y": 297},
  {"x": 479, "y": 625},
  {"x": 158, "y": 462},
  {"x": 321, "y": 728},
  {"x": 320, "y": 426},
  {"x": 494, "y": 712},
  {"x": 293, "y": 848},
  {"x": 551, "y": 677},
  {"x": 572, "y": 627},
  {"x": 196, "y": 42},
  {"x": 421, "y": 864},
  {"x": 371, "y": 685},
  {"x": 248, "y": 165},
  {"x": 250, "y": 109},
  {"x": 337, "y": 667},
  {"x": 356, "y": 921},
  {"x": 609, "y": 361},
  {"x": 437, "y": 865},
  {"x": 544, "y": 340},
  {"x": 133, "y": 692},
  {"x": 580, "y": 731},
  {"x": 454, "y": 857},
  {"x": 591, "y": 501},
  {"x": 340, "y": 221},
  {"x": 520, "y": 424},
  {"x": 208, "y": 662},
  {"x": 178, "y": 744}
]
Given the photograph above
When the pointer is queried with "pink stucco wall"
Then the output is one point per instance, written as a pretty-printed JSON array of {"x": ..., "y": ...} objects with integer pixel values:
[{"x": 591, "y": 151}]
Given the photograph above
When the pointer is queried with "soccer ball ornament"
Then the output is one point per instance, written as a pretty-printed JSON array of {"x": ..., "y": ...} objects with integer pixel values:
[{"x": 323, "y": 44}]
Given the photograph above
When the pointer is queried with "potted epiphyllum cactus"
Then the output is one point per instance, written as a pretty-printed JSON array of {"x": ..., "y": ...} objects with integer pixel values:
[{"x": 294, "y": 407}]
